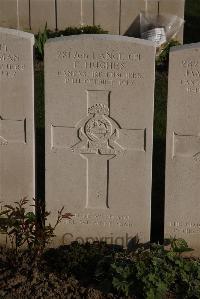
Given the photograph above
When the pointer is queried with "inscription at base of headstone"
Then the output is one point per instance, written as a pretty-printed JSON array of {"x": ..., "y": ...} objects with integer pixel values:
[
  {"x": 182, "y": 204},
  {"x": 17, "y": 163},
  {"x": 99, "y": 119}
]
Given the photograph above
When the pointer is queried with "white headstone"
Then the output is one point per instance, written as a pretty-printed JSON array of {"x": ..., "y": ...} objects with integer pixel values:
[
  {"x": 17, "y": 155},
  {"x": 99, "y": 130},
  {"x": 182, "y": 202}
]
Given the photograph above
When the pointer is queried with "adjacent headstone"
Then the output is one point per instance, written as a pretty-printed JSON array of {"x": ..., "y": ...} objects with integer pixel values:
[
  {"x": 183, "y": 146},
  {"x": 42, "y": 13},
  {"x": 17, "y": 162},
  {"x": 9, "y": 13},
  {"x": 99, "y": 129}
]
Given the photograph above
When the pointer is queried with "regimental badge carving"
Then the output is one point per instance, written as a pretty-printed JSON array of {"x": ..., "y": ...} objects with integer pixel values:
[
  {"x": 196, "y": 157},
  {"x": 3, "y": 141},
  {"x": 99, "y": 140},
  {"x": 98, "y": 133}
]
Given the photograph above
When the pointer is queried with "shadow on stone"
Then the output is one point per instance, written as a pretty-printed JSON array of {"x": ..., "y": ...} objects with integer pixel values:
[{"x": 134, "y": 29}]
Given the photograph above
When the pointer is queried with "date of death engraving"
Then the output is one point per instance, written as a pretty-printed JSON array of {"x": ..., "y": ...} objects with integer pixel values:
[{"x": 99, "y": 219}]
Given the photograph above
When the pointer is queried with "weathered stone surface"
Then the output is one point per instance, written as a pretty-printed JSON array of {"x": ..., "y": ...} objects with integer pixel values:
[
  {"x": 107, "y": 15},
  {"x": 8, "y": 13},
  {"x": 99, "y": 120},
  {"x": 42, "y": 12},
  {"x": 17, "y": 155},
  {"x": 87, "y": 12},
  {"x": 174, "y": 7},
  {"x": 183, "y": 146},
  {"x": 23, "y": 14},
  {"x": 74, "y": 13},
  {"x": 68, "y": 13},
  {"x": 130, "y": 15}
]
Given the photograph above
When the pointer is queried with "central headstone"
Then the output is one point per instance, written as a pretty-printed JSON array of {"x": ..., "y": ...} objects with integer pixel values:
[{"x": 99, "y": 128}]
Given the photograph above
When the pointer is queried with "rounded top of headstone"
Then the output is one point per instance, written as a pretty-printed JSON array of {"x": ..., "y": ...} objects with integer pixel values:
[
  {"x": 103, "y": 37},
  {"x": 192, "y": 46},
  {"x": 18, "y": 34}
]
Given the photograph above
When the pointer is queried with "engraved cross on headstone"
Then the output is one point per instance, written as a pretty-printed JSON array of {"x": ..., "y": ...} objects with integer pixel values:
[
  {"x": 186, "y": 146},
  {"x": 100, "y": 139},
  {"x": 12, "y": 131}
]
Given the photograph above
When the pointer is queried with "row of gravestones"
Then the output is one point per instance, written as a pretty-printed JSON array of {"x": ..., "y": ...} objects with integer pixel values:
[
  {"x": 116, "y": 16},
  {"x": 99, "y": 103}
]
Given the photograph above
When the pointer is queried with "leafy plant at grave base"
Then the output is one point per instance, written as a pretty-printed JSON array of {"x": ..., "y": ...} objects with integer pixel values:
[
  {"x": 178, "y": 246},
  {"x": 22, "y": 228},
  {"x": 41, "y": 37},
  {"x": 146, "y": 275},
  {"x": 154, "y": 273},
  {"x": 40, "y": 40},
  {"x": 149, "y": 273},
  {"x": 163, "y": 59}
]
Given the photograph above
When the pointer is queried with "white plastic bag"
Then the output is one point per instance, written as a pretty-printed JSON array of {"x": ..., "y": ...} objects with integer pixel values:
[
  {"x": 156, "y": 35},
  {"x": 159, "y": 28}
]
